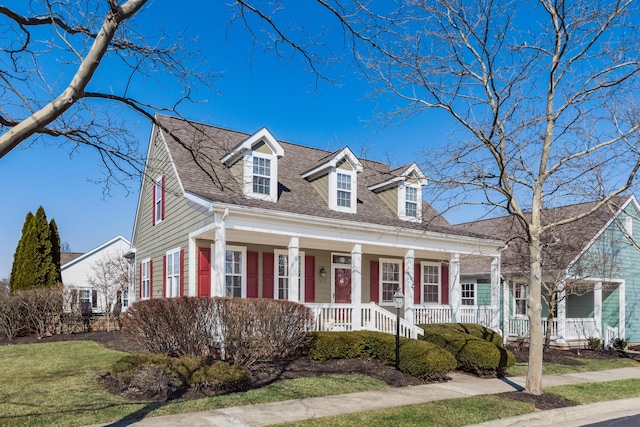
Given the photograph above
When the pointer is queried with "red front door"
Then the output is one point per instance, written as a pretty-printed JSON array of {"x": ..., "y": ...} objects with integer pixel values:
[
  {"x": 204, "y": 272},
  {"x": 342, "y": 279}
]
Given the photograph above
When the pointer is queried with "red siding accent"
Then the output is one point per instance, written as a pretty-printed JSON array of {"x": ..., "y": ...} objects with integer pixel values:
[
  {"x": 267, "y": 275},
  {"x": 162, "y": 207},
  {"x": 181, "y": 272},
  {"x": 150, "y": 279},
  {"x": 140, "y": 280},
  {"x": 164, "y": 276},
  {"x": 252, "y": 274},
  {"x": 375, "y": 281},
  {"x": 417, "y": 280},
  {"x": 444, "y": 286},
  {"x": 309, "y": 279},
  {"x": 402, "y": 278}
]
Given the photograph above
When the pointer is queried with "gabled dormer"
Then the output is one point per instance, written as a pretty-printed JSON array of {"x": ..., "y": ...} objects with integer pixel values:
[
  {"x": 402, "y": 192},
  {"x": 254, "y": 164},
  {"x": 335, "y": 177}
]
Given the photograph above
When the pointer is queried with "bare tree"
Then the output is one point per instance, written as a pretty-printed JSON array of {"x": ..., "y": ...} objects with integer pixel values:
[
  {"x": 111, "y": 276},
  {"x": 543, "y": 94},
  {"x": 50, "y": 55}
]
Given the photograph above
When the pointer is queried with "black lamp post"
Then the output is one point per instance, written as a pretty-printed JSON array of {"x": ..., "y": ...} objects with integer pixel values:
[{"x": 398, "y": 301}]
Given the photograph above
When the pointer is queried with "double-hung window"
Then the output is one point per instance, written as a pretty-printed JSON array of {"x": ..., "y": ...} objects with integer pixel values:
[
  {"x": 411, "y": 201},
  {"x": 468, "y": 293},
  {"x": 430, "y": 283},
  {"x": 390, "y": 279},
  {"x": 173, "y": 274},
  {"x": 145, "y": 279},
  {"x": 158, "y": 200},
  {"x": 234, "y": 269},
  {"x": 343, "y": 183},
  {"x": 261, "y": 175},
  {"x": 520, "y": 297},
  {"x": 282, "y": 273}
]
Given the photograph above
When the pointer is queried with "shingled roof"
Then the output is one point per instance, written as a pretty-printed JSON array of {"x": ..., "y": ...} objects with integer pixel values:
[
  {"x": 562, "y": 244},
  {"x": 196, "y": 150}
]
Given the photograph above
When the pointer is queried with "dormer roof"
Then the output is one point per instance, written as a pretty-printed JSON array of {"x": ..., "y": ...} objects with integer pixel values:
[
  {"x": 398, "y": 175},
  {"x": 331, "y": 161},
  {"x": 263, "y": 135}
]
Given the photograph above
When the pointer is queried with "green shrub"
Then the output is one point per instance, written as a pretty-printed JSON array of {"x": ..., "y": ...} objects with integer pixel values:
[
  {"x": 473, "y": 354},
  {"x": 418, "y": 358},
  {"x": 160, "y": 377},
  {"x": 594, "y": 343},
  {"x": 619, "y": 344}
]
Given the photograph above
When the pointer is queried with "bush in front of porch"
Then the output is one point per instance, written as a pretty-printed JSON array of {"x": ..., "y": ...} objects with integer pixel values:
[
  {"x": 475, "y": 352},
  {"x": 418, "y": 358}
]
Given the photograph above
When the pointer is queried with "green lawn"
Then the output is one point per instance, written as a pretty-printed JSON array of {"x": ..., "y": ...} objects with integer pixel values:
[
  {"x": 586, "y": 365},
  {"x": 55, "y": 384}
]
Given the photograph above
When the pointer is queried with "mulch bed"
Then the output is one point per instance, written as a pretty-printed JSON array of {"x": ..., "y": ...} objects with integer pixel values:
[{"x": 264, "y": 374}]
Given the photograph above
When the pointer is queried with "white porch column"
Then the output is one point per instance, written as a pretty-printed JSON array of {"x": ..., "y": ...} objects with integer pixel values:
[
  {"x": 622, "y": 310},
  {"x": 191, "y": 290},
  {"x": 562, "y": 314},
  {"x": 597, "y": 308},
  {"x": 356, "y": 286},
  {"x": 409, "y": 285},
  {"x": 495, "y": 293},
  {"x": 294, "y": 269},
  {"x": 455, "y": 296},
  {"x": 506, "y": 314},
  {"x": 219, "y": 251}
]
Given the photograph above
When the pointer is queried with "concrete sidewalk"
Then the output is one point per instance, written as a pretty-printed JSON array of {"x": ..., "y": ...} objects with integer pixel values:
[{"x": 460, "y": 386}]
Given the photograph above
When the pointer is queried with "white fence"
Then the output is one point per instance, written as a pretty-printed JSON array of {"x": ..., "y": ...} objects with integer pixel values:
[
  {"x": 443, "y": 314},
  {"x": 340, "y": 317},
  {"x": 574, "y": 329}
]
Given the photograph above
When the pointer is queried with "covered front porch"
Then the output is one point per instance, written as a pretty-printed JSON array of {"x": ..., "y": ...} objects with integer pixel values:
[
  {"x": 586, "y": 308},
  {"x": 346, "y": 275}
]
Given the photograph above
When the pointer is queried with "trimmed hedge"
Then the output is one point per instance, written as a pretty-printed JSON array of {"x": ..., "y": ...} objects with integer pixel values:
[
  {"x": 160, "y": 377},
  {"x": 473, "y": 354},
  {"x": 418, "y": 358}
]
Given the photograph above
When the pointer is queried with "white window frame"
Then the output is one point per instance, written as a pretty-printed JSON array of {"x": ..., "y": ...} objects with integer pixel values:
[
  {"x": 285, "y": 277},
  {"x": 474, "y": 289},
  {"x": 145, "y": 280},
  {"x": 157, "y": 207},
  {"x": 125, "y": 299},
  {"x": 423, "y": 283},
  {"x": 333, "y": 190},
  {"x": 517, "y": 296},
  {"x": 402, "y": 202},
  {"x": 172, "y": 273},
  {"x": 273, "y": 176},
  {"x": 243, "y": 270},
  {"x": 398, "y": 284}
]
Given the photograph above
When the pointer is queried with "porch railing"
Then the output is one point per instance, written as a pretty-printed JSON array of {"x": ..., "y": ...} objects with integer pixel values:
[
  {"x": 575, "y": 329},
  {"x": 339, "y": 317},
  {"x": 481, "y": 315}
]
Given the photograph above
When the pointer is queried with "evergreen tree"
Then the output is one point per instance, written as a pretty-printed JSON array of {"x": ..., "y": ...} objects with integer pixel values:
[{"x": 37, "y": 259}]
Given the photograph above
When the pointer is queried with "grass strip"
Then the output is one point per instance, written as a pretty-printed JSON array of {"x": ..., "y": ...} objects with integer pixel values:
[{"x": 585, "y": 365}]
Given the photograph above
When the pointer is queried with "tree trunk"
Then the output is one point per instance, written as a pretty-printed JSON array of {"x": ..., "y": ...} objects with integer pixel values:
[{"x": 534, "y": 371}]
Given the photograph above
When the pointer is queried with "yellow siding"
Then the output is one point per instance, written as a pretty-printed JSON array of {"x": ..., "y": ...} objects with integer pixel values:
[{"x": 321, "y": 185}]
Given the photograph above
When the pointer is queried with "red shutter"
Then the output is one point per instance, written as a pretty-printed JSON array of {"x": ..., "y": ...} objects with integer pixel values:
[
  {"x": 181, "y": 272},
  {"x": 164, "y": 276},
  {"x": 267, "y": 275},
  {"x": 252, "y": 274},
  {"x": 375, "y": 281},
  {"x": 402, "y": 279},
  {"x": 150, "y": 278},
  {"x": 444, "y": 285},
  {"x": 417, "y": 280},
  {"x": 140, "y": 280},
  {"x": 162, "y": 207},
  {"x": 309, "y": 279}
]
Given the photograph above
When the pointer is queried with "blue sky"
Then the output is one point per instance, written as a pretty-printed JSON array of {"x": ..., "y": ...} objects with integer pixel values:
[{"x": 259, "y": 91}]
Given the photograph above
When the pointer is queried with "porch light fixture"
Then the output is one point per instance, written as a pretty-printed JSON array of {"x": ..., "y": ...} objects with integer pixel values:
[
  {"x": 323, "y": 272},
  {"x": 398, "y": 301}
]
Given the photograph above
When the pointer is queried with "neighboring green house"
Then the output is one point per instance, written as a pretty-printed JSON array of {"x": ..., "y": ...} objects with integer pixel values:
[
  {"x": 591, "y": 265},
  {"x": 226, "y": 213}
]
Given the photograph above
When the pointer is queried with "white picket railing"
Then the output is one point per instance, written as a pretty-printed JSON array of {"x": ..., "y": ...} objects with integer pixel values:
[
  {"x": 475, "y": 314},
  {"x": 575, "y": 329},
  {"x": 427, "y": 315},
  {"x": 481, "y": 315},
  {"x": 339, "y": 317},
  {"x": 610, "y": 334}
]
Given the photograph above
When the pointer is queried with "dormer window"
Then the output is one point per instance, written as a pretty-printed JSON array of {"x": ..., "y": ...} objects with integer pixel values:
[
  {"x": 402, "y": 192},
  {"x": 254, "y": 163},
  {"x": 261, "y": 175},
  {"x": 344, "y": 190},
  {"x": 411, "y": 201}
]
